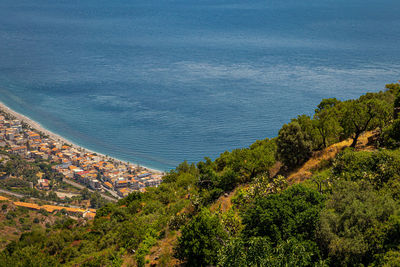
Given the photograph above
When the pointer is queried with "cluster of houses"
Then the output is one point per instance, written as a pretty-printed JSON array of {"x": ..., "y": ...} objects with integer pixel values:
[{"x": 95, "y": 171}]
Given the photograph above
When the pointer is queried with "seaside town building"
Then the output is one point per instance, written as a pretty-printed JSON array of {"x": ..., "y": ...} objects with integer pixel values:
[{"x": 87, "y": 168}]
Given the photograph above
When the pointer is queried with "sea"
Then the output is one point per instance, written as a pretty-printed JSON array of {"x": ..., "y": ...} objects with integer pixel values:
[{"x": 157, "y": 82}]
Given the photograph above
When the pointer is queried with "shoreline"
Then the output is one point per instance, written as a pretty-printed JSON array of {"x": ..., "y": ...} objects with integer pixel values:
[{"x": 56, "y": 137}]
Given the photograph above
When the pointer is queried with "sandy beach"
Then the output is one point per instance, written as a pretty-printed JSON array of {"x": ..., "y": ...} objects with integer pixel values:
[{"x": 56, "y": 137}]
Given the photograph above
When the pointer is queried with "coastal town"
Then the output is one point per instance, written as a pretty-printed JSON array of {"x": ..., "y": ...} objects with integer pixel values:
[{"x": 78, "y": 166}]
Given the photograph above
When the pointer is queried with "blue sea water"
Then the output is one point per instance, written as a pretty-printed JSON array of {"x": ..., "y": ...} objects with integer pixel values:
[{"x": 159, "y": 82}]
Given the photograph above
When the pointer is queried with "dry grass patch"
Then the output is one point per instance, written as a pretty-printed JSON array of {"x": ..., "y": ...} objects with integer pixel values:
[{"x": 305, "y": 171}]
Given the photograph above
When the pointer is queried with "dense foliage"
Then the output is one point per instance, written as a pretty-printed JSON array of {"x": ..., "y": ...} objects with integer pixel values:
[
  {"x": 294, "y": 145},
  {"x": 391, "y": 135},
  {"x": 201, "y": 239},
  {"x": 334, "y": 121},
  {"x": 356, "y": 224}
]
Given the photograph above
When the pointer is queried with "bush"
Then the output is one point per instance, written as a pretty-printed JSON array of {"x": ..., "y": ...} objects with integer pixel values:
[
  {"x": 257, "y": 251},
  {"x": 44, "y": 212},
  {"x": 10, "y": 215}
]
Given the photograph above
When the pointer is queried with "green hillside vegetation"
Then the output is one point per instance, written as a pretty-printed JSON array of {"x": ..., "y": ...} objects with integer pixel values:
[
  {"x": 15, "y": 221},
  {"x": 348, "y": 213}
]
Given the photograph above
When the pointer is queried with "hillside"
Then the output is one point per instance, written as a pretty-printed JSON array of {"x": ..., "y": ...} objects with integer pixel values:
[
  {"x": 323, "y": 192},
  {"x": 224, "y": 203},
  {"x": 16, "y": 220},
  {"x": 305, "y": 170}
]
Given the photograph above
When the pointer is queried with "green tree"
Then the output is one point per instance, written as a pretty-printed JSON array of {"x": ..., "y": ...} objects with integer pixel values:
[
  {"x": 201, "y": 239},
  {"x": 326, "y": 121},
  {"x": 307, "y": 126},
  {"x": 350, "y": 230},
  {"x": 261, "y": 157},
  {"x": 393, "y": 87},
  {"x": 378, "y": 168},
  {"x": 391, "y": 135},
  {"x": 327, "y": 103},
  {"x": 234, "y": 253},
  {"x": 292, "y": 213},
  {"x": 361, "y": 115},
  {"x": 397, "y": 106},
  {"x": 293, "y": 145},
  {"x": 397, "y": 100},
  {"x": 96, "y": 201},
  {"x": 85, "y": 194},
  {"x": 249, "y": 162},
  {"x": 389, "y": 259}
]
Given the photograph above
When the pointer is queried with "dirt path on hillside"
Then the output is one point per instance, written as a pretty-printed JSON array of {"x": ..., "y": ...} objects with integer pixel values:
[{"x": 305, "y": 171}]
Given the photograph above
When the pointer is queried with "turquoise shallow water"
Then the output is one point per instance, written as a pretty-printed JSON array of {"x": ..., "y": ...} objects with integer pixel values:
[{"x": 158, "y": 82}]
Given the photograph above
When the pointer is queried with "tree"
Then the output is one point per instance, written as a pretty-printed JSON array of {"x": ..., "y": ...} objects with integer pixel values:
[
  {"x": 361, "y": 115},
  {"x": 293, "y": 145},
  {"x": 326, "y": 121},
  {"x": 85, "y": 194},
  {"x": 201, "y": 239},
  {"x": 378, "y": 168},
  {"x": 278, "y": 217},
  {"x": 397, "y": 100},
  {"x": 279, "y": 230},
  {"x": 327, "y": 103},
  {"x": 397, "y": 106},
  {"x": 391, "y": 135},
  {"x": 249, "y": 162},
  {"x": 353, "y": 226},
  {"x": 207, "y": 175},
  {"x": 261, "y": 157},
  {"x": 28, "y": 256},
  {"x": 389, "y": 259},
  {"x": 393, "y": 87},
  {"x": 96, "y": 201},
  {"x": 310, "y": 131}
]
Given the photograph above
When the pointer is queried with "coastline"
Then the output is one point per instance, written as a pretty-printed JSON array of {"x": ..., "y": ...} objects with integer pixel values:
[{"x": 56, "y": 137}]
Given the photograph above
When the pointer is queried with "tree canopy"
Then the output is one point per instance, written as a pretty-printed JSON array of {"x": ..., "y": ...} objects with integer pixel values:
[
  {"x": 364, "y": 114},
  {"x": 201, "y": 239},
  {"x": 294, "y": 146},
  {"x": 292, "y": 213}
]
